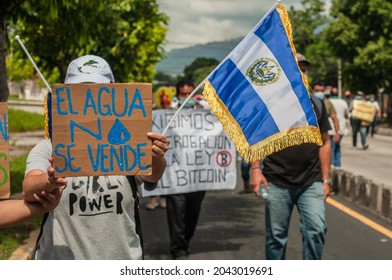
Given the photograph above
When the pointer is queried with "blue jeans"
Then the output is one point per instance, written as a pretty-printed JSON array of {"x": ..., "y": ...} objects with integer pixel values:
[
  {"x": 336, "y": 154},
  {"x": 278, "y": 210},
  {"x": 357, "y": 127}
]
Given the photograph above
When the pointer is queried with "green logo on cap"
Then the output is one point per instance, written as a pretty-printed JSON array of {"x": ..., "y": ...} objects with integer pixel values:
[{"x": 86, "y": 68}]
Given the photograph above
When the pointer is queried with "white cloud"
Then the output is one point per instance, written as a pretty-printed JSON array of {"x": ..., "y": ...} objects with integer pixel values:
[{"x": 198, "y": 22}]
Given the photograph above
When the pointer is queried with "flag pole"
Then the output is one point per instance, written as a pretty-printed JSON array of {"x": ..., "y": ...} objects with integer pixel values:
[{"x": 17, "y": 37}]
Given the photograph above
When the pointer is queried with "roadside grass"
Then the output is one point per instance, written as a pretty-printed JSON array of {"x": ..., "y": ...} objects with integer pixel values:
[
  {"x": 11, "y": 238},
  {"x": 22, "y": 121}
]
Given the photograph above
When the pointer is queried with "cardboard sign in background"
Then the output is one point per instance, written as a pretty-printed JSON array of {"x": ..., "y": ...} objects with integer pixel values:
[
  {"x": 101, "y": 129},
  {"x": 4, "y": 152},
  {"x": 363, "y": 110},
  {"x": 201, "y": 155}
]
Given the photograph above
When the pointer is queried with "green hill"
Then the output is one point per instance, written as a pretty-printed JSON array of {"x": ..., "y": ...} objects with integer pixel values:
[{"x": 177, "y": 59}]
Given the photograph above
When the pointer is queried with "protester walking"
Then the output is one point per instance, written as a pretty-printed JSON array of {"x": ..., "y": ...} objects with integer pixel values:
[
  {"x": 297, "y": 176},
  {"x": 68, "y": 232},
  {"x": 377, "y": 116},
  {"x": 183, "y": 209},
  {"x": 341, "y": 109},
  {"x": 358, "y": 125}
]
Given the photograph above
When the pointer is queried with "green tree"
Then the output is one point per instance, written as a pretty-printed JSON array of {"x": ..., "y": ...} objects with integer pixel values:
[
  {"x": 199, "y": 69},
  {"x": 129, "y": 34},
  {"x": 308, "y": 25},
  {"x": 163, "y": 79},
  {"x": 5, "y": 9},
  {"x": 360, "y": 33}
]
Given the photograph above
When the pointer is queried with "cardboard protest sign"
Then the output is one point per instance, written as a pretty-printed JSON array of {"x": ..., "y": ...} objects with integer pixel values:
[
  {"x": 101, "y": 129},
  {"x": 363, "y": 110},
  {"x": 4, "y": 152},
  {"x": 200, "y": 157}
]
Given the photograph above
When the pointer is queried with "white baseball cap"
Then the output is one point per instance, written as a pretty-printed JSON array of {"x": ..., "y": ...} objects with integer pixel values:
[{"x": 89, "y": 69}]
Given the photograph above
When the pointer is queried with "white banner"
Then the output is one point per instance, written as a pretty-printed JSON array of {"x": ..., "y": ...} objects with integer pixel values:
[{"x": 200, "y": 157}]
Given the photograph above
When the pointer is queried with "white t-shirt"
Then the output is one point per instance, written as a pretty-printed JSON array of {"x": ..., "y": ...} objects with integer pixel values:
[
  {"x": 341, "y": 109},
  {"x": 94, "y": 220}
]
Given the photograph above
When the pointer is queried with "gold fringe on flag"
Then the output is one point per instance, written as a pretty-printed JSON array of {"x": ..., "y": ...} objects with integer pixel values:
[
  {"x": 284, "y": 16},
  {"x": 46, "y": 117},
  {"x": 266, "y": 147}
]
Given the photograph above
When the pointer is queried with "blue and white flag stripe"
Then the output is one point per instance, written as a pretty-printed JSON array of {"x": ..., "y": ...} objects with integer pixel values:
[{"x": 268, "y": 101}]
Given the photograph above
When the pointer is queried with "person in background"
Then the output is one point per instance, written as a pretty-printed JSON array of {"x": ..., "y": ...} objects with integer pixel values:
[
  {"x": 377, "y": 116},
  {"x": 201, "y": 103},
  {"x": 357, "y": 125},
  {"x": 332, "y": 114},
  {"x": 323, "y": 93},
  {"x": 245, "y": 175},
  {"x": 296, "y": 176},
  {"x": 347, "y": 96},
  {"x": 77, "y": 228},
  {"x": 183, "y": 209},
  {"x": 159, "y": 201},
  {"x": 318, "y": 90},
  {"x": 156, "y": 201},
  {"x": 341, "y": 109}
]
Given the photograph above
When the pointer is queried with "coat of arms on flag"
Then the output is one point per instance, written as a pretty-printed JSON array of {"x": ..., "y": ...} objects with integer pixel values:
[{"x": 259, "y": 93}]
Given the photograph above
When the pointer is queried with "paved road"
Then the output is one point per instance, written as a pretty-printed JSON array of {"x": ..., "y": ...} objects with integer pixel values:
[{"x": 374, "y": 163}]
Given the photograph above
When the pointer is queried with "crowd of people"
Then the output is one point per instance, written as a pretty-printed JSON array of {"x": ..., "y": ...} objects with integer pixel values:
[
  {"x": 344, "y": 121},
  {"x": 304, "y": 181}
]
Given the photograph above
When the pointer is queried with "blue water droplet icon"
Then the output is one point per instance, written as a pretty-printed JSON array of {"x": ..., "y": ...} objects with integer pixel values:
[{"x": 118, "y": 134}]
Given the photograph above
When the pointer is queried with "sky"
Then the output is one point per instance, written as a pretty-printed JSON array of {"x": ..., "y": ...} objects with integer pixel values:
[{"x": 195, "y": 22}]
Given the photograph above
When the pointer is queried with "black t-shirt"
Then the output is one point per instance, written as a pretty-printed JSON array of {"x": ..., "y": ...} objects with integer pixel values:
[{"x": 297, "y": 166}]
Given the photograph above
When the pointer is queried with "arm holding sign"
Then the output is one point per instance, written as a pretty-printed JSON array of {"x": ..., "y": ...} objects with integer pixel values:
[
  {"x": 160, "y": 144},
  {"x": 38, "y": 184}
]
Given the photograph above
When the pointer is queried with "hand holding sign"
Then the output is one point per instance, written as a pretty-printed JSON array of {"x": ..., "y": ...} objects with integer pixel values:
[
  {"x": 160, "y": 144},
  {"x": 53, "y": 182}
]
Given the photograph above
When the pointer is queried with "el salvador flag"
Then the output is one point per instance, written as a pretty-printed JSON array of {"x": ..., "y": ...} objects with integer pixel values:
[{"x": 259, "y": 93}]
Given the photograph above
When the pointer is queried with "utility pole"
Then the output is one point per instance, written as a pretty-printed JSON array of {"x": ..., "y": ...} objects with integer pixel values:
[{"x": 340, "y": 78}]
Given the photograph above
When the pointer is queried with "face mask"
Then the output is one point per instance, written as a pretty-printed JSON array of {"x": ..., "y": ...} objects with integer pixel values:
[
  {"x": 190, "y": 103},
  {"x": 319, "y": 95}
]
